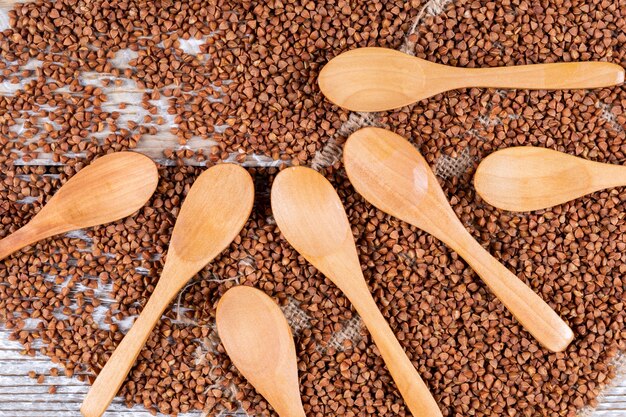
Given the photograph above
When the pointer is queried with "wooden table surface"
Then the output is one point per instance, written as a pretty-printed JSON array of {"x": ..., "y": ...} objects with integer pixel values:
[{"x": 21, "y": 396}]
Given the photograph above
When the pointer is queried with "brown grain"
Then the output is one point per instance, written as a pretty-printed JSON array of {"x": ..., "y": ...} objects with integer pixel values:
[{"x": 261, "y": 60}]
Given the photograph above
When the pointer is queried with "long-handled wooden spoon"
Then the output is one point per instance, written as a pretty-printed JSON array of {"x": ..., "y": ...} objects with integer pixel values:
[
  {"x": 377, "y": 79},
  {"x": 215, "y": 210},
  {"x": 258, "y": 341},
  {"x": 392, "y": 175},
  {"x": 310, "y": 215},
  {"x": 5, "y": 4},
  {"x": 110, "y": 188},
  {"x": 526, "y": 178}
]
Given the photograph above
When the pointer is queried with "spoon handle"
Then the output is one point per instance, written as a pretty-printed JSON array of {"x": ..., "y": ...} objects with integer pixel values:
[
  {"x": 416, "y": 394},
  {"x": 528, "y": 308},
  {"x": 14, "y": 242},
  {"x": 566, "y": 75},
  {"x": 111, "y": 377},
  {"x": 26, "y": 235},
  {"x": 9, "y": 3},
  {"x": 606, "y": 175}
]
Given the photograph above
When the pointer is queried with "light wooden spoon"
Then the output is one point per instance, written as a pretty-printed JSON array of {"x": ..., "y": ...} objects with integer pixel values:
[
  {"x": 310, "y": 215},
  {"x": 5, "y": 4},
  {"x": 110, "y": 188},
  {"x": 215, "y": 210},
  {"x": 526, "y": 178},
  {"x": 258, "y": 341},
  {"x": 392, "y": 175},
  {"x": 377, "y": 79}
]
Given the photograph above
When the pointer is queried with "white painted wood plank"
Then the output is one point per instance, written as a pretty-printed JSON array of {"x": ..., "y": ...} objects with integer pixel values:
[{"x": 21, "y": 396}]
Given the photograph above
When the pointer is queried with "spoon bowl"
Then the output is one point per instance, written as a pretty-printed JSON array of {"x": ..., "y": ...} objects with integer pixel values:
[
  {"x": 259, "y": 342},
  {"x": 392, "y": 175},
  {"x": 215, "y": 210},
  {"x": 527, "y": 178},
  {"x": 110, "y": 188},
  {"x": 310, "y": 215},
  {"x": 378, "y": 79}
]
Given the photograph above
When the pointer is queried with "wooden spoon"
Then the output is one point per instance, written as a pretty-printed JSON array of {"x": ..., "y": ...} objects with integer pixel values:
[
  {"x": 526, "y": 178},
  {"x": 377, "y": 79},
  {"x": 215, "y": 210},
  {"x": 258, "y": 340},
  {"x": 392, "y": 175},
  {"x": 311, "y": 217},
  {"x": 5, "y": 4},
  {"x": 110, "y": 188}
]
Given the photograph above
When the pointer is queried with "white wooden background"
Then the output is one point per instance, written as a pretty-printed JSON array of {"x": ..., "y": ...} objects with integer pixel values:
[{"x": 22, "y": 396}]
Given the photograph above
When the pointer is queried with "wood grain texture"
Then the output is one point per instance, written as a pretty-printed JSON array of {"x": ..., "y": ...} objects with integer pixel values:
[
  {"x": 110, "y": 188},
  {"x": 527, "y": 178},
  {"x": 21, "y": 396},
  {"x": 270, "y": 365},
  {"x": 8, "y": 4},
  {"x": 213, "y": 213},
  {"x": 310, "y": 215},
  {"x": 392, "y": 175},
  {"x": 379, "y": 79}
]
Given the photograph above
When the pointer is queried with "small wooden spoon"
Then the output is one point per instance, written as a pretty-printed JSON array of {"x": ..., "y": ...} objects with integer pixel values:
[
  {"x": 310, "y": 215},
  {"x": 377, "y": 79},
  {"x": 258, "y": 341},
  {"x": 215, "y": 210},
  {"x": 526, "y": 178},
  {"x": 5, "y": 4},
  {"x": 392, "y": 175},
  {"x": 110, "y": 188}
]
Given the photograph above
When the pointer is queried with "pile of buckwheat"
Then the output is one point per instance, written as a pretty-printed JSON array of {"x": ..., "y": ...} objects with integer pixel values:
[{"x": 256, "y": 73}]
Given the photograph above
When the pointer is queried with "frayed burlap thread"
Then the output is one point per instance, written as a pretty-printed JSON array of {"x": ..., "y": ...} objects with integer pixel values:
[
  {"x": 351, "y": 331},
  {"x": 331, "y": 153},
  {"x": 610, "y": 117},
  {"x": 181, "y": 317},
  {"x": 448, "y": 167},
  {"x": 296, "y": 317},
  {"x": 431, "y": 8}
]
